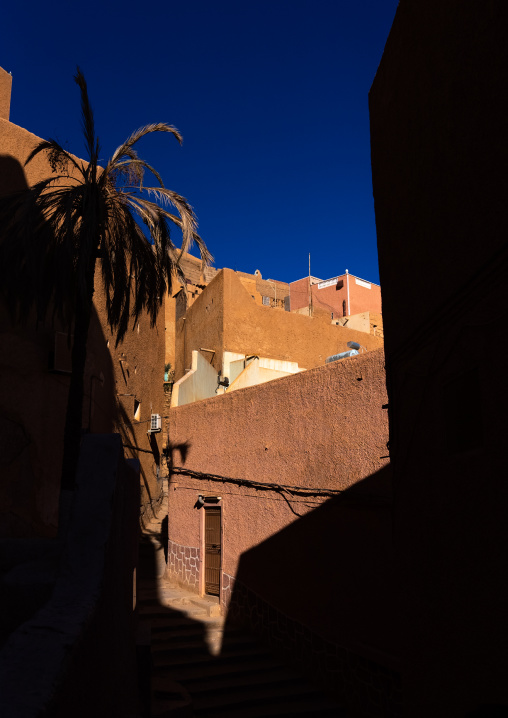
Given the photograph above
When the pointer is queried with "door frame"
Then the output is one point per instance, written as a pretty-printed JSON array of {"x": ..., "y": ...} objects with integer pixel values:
[{"x": 202, "y": 547}]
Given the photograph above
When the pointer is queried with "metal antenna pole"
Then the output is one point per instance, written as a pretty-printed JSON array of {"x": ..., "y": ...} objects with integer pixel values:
[{"x": 310, "y": 294}]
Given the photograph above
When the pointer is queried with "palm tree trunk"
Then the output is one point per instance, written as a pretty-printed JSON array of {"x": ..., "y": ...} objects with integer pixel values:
[{"x": 73, "y": 419}]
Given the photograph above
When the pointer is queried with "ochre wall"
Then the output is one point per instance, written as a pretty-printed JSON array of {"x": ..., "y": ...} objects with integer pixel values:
[
  {"x": 226, "y": 318},
  {"x": 5, "y": 94},
  {"x": 251, "y": 329},
  {"x": 170, "y": 327},
  {"x": 258, "y": 288},
  {"x": 321, "y": 428},
  {"x": 33, "y": 401},
  {"x": 201, "y": 328},
  {"x": 138, "y": 365}
]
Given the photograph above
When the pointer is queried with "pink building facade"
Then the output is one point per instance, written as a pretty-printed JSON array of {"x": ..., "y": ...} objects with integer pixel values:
[{"x": 340, "y": 296}]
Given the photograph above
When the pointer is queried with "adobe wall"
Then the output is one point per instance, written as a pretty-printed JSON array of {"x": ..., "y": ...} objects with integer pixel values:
[
  {"x": 438, "y": 130},
  {"x": 251, "y": 329},
  {"x": 299, "y": 294},
  {"x": 226, "y": 318},
  {"x": 33, "y": 401},
  {"x": 182, "y": 297},
  {"x": 258, "y": 288},
  {"x": 321, "y": 428},
  {"x": 77, "y": 651},
  {"x": 202, "y": 327},
  {"x": 138, "y": 366},
  {"x": 369, "y": 322},
  {"x": 324, "y": 592},
  {"x": 438, "y": 136},
  {"x": 5, "y": 94},
  {"x": 331, "y": 300},
  {"x": 170, "y": 328}
]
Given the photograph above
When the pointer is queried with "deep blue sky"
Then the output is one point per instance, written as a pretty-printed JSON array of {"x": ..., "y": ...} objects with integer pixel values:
[{"x": 271, "y": 97}]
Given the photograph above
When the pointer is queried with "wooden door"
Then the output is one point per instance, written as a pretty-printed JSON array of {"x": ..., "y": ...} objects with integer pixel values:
[{"x": 212, "y": 550}]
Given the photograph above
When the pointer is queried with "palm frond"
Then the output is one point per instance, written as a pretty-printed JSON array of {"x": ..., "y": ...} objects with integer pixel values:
[
  {"x": 87, "y": 119},
  {"x": 55, "y": 231},
  {"x": 133, "y": 163},
  {"x": 136, "y": 136},
  {"x": 58, "y": 158}
]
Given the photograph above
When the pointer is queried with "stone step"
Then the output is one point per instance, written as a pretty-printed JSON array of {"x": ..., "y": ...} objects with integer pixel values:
[
  {"x": 178, "y": 619},
  {"x": 293, "y": 707},
  {"x": 261, "y": 696},
  {"x": 180, "y": 641},
  {"x": 189, "y": 672},
  {"x": 181, "y": 629},
  {"x": 200, "y": 654},
  {"x": 179, "y": 649},
  {"x": 235, "y": 681},
  {"x": 173, "y": 606},
  {"x": 165, "y": 620}
]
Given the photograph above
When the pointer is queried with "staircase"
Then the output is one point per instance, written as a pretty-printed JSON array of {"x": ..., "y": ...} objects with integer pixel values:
[{"x": 202, "y": 668}]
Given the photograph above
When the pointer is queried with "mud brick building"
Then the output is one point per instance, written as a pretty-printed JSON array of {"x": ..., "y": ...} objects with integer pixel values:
[
  {"x": 123, "y": 385},
  {"x": 439, "y": 158}
]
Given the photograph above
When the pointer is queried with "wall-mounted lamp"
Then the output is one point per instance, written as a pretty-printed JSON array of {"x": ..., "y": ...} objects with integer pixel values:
[{"x": 202, "y": 500}]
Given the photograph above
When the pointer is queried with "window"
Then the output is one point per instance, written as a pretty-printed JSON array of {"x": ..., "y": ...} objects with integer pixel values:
[{"x": 137, "y": 410}]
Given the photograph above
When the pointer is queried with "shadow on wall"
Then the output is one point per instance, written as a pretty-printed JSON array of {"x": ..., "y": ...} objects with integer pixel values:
[
  {"x": 12, "y": 175},
  {"x": 77, "y": 652},
  {"x": 34, "y": 384},
  {"x": 324, "y": 592}
]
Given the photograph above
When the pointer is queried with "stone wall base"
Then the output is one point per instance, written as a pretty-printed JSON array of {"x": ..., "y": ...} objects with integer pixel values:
[{"x": 183, "y": 565}]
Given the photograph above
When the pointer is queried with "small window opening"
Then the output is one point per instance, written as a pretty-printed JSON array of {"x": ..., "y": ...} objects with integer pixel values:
[{"x": 137, "y": 410}]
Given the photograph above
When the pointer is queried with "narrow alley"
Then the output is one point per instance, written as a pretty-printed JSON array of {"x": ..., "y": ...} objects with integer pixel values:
[{"x": 201, "y": 669}]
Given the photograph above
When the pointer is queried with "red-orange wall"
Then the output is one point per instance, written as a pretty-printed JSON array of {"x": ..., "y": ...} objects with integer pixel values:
[
  {"x": 340, "y": 302},
  {"x": 322, "y": 428}
]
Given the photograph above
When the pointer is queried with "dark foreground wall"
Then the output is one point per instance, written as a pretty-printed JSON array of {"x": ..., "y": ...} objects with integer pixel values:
[
  {"x": 75, "y": 657},
  {"x": 324, "y": 592},
  {"x": 439, "y": 159}
]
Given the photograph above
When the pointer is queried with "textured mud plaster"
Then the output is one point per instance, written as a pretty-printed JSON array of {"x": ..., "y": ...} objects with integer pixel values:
[
  {"x": 86, "y": 629},
  {"x": 324, "y": 428},
  {"x": 437, "y": 124},
  {"x": 439, "y": 157},
  {"x": 5, "y": 94},
  {"x": 348, "y": 295},
  {"x": 226, "y": 318},
  {"x": 35, "y": 399},
  {"x": 202, "y": 327}
]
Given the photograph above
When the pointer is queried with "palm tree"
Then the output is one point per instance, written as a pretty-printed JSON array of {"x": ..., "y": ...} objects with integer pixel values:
[{"x": 54, "y": 233}]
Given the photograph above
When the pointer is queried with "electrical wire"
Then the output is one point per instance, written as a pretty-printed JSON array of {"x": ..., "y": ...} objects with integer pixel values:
[
  {"x": 261, "y": 486},
  {"x": 255, "y": 496}
]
